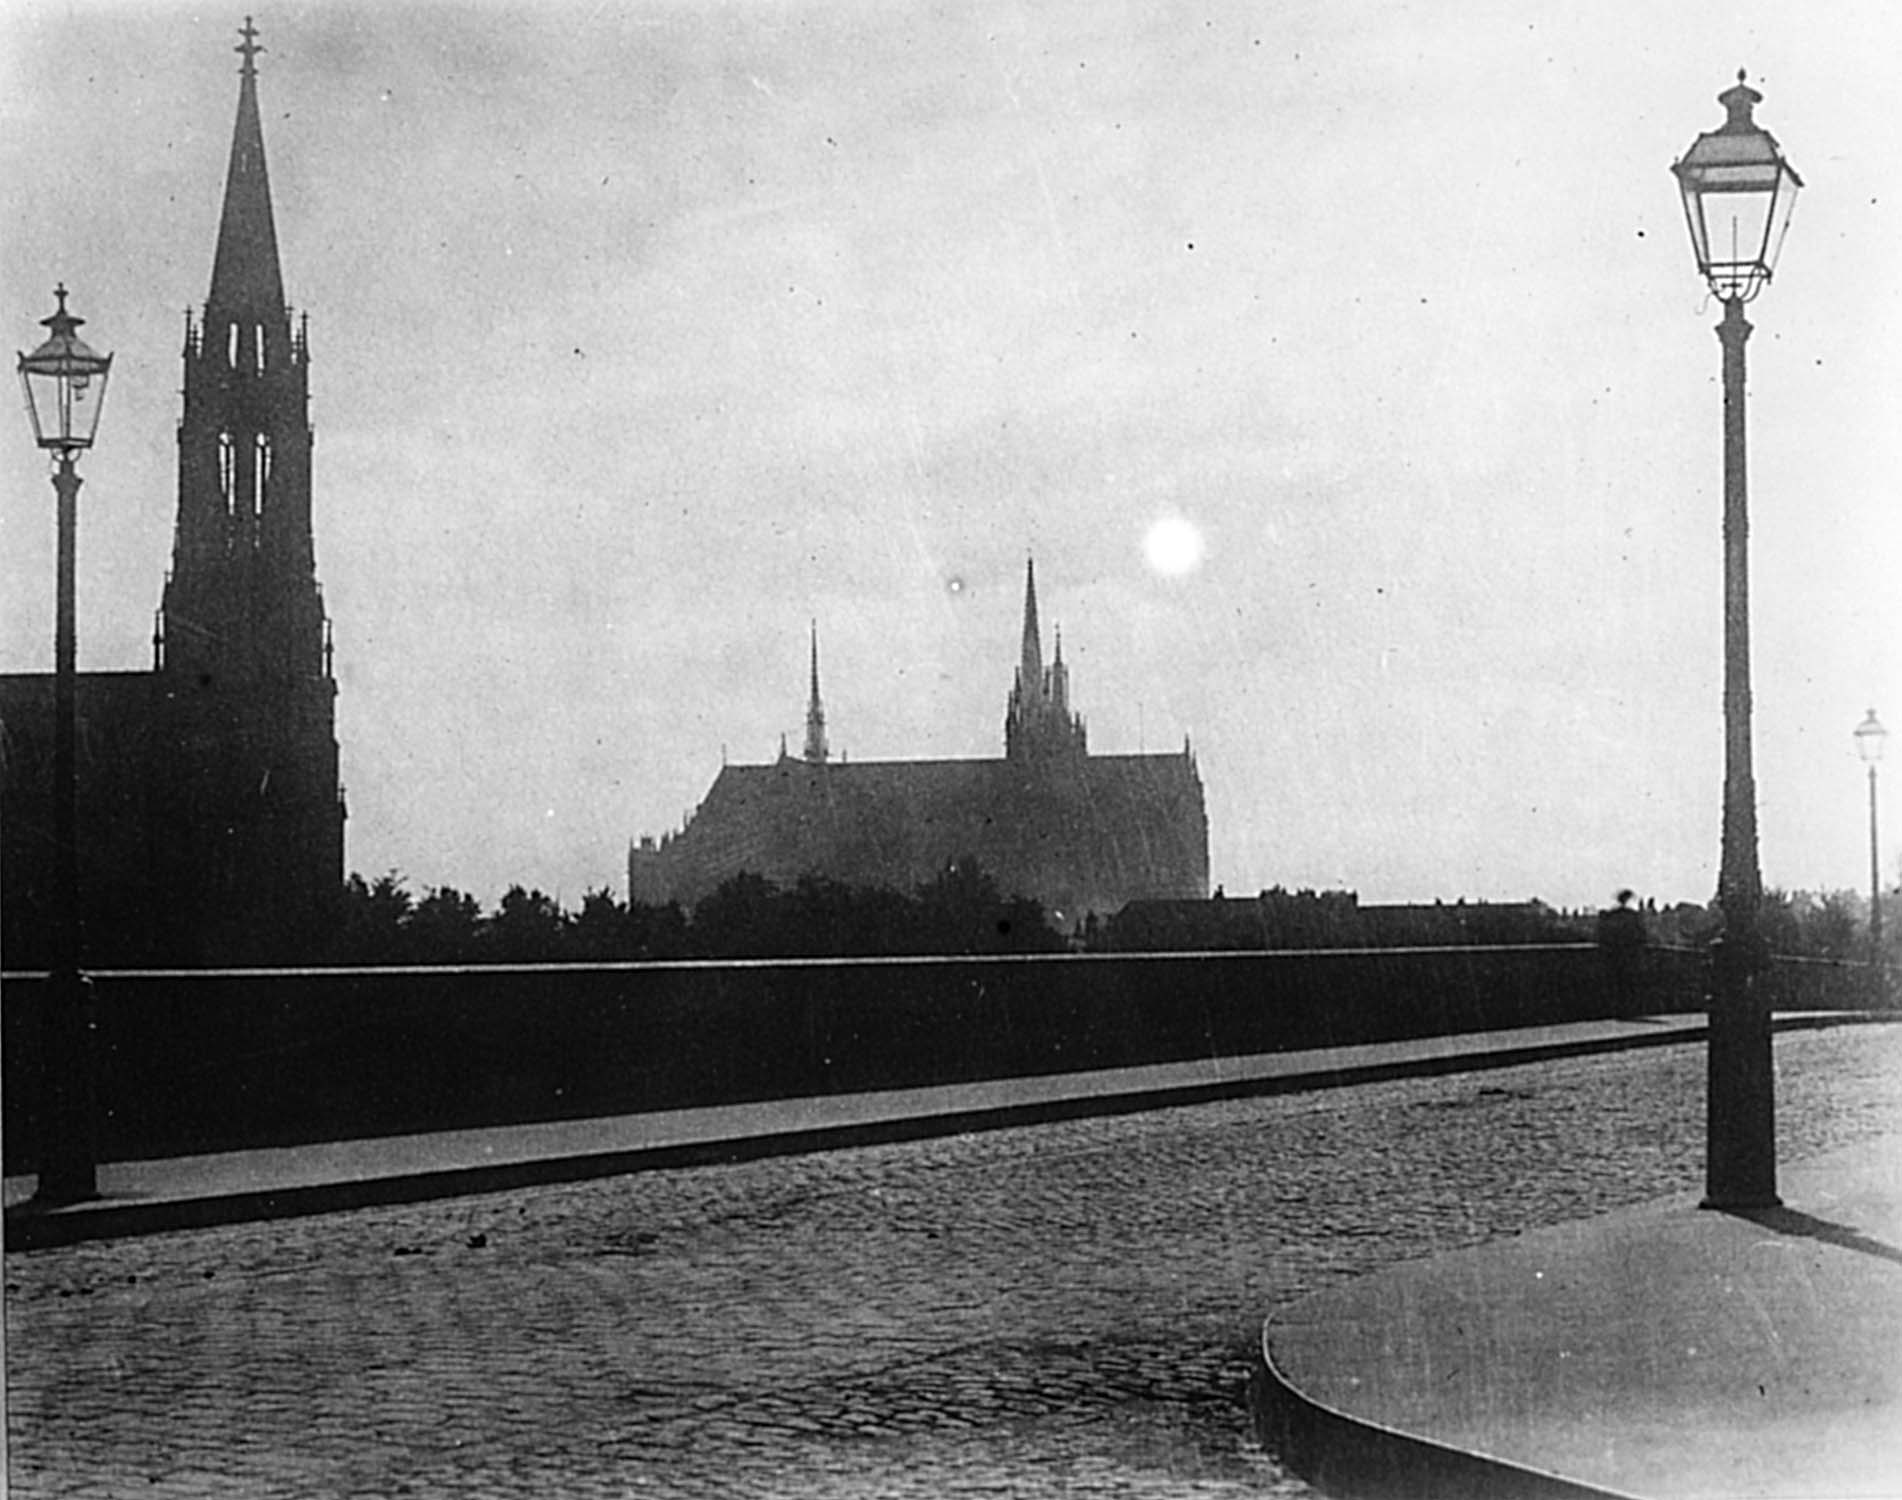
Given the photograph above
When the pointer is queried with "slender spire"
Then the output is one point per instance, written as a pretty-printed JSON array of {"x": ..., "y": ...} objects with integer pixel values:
[
  {"x": 816, "y": 750},
  {"x": 246, "y": 282},
  {"x": 1030, "y": 670}
]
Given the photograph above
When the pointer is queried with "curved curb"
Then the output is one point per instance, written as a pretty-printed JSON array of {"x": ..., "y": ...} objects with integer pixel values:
[{"x": 1356, "y": 1459}]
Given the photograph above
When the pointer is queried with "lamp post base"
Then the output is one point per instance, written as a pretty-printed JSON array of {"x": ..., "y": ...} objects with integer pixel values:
[
  {"x": 1741, "y": 1170},
  {"x": 68, "y": 1169}
]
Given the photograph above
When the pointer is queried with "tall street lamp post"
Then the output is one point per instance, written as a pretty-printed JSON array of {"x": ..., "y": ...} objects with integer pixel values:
[
  {"x": 1870, "y": 736},
  {"x": 1738, "y": 191},
  {"x": 65, "y": 385}
]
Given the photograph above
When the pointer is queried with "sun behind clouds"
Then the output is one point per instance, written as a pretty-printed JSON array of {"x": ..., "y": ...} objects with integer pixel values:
[{"x": 1173, "y": 546}]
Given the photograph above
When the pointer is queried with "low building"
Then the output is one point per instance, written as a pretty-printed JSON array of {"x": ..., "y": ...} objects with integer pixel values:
[{"x": 1281, "y": 919}]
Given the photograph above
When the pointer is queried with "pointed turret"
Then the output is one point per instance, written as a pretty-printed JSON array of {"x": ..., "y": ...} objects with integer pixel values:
[
  {"x": 1059, "y": 681},
  {"x": 816, "y": 751}
]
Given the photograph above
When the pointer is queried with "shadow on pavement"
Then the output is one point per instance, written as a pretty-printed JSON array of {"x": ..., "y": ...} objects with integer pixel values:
[{"x": 1790, "y": 1221}]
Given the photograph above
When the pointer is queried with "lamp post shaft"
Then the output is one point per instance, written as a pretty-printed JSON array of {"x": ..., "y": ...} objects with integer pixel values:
[
  {"x": 67, "y": 1168},
  {"x": 1875, "y": 878},
  {"x": 66, "y": 720},
  {"x": 1741, "y": 1161},
  {"x": 1739, "y": 886}
]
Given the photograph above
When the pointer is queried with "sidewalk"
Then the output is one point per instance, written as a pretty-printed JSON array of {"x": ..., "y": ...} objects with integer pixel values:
[
  {"x": 1663, "y": 1351},
  {"x": 236, "y": 1187},
  {"x": 146, "y": 1197}
]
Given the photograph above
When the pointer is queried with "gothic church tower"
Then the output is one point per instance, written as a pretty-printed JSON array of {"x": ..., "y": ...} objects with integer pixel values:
[
  {"x": 242, "y": 646},
  {"x": 1039, "y": 728}
]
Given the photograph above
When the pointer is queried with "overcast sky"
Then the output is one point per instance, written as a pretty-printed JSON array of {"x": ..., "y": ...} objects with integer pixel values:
[{"x": 644, "y": 334}]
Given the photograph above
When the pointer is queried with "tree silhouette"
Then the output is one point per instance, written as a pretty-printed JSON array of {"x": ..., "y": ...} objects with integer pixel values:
[
  {"x": 528, "y": 927},
  {"x": 739, "y": 920},
  {"x": 961, "y": 910},
  {"x": 371, "y": 919},
  {"x": 444, "y": 928}
]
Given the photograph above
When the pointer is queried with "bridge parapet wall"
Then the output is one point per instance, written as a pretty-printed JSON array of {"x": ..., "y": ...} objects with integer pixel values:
[{"x": 207, "y": 1061}]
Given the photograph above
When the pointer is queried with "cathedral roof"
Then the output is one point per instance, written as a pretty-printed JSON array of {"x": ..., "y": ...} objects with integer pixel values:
[
  {"x": 1132, "y": 824},
  {"x": 948, "y": 778}
]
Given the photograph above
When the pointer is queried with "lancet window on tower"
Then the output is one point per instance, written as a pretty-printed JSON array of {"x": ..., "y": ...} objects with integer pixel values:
[
  {"x": 228, "y": 471},
  {"x": 261, "y": 468},
  {"x": 247, "y": 344}
]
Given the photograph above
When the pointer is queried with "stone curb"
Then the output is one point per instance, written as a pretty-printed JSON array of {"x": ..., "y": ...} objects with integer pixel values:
[{"x": 1350, "y": 1456}]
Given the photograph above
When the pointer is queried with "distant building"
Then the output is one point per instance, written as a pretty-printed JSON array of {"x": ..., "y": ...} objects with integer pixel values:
[
  {"x": 210, "y": 818},
  {"x": 1080, "y": 833}
]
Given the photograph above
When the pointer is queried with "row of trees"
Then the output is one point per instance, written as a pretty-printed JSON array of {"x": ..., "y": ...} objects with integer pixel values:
[
  {"x": 1829, "y": 924},
  {"x": 1797, "y": 924},
  {"x": 962, "y": 911}
]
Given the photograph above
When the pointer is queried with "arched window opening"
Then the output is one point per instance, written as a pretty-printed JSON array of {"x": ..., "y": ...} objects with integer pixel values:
[
  {"x": 261, "y": 468},
  {"x": 227, "y": 471},
  {"x": 231, "y": 345}
]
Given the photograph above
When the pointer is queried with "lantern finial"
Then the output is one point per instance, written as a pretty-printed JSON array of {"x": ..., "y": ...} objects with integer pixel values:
[
  {"x": 61, "y": 323},
  {"x": 1738, "y": 101}
]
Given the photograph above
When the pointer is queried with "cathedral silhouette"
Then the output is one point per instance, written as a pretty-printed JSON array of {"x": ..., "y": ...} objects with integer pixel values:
[
  {"x": 1083, "y": 834},
  {"x": 210, "y": 818}
]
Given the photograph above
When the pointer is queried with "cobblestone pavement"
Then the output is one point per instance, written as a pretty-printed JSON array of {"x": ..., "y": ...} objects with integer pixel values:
[{"x": 1062, "y": 1310}]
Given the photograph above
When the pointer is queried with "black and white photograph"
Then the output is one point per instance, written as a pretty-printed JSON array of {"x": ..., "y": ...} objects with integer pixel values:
[{"x": 807, "y": 748}]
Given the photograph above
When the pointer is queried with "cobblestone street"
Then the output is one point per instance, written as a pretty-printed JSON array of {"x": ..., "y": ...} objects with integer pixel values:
[{"x": 1062, "y": 1310}]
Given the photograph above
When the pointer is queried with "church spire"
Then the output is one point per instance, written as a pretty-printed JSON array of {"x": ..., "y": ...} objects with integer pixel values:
[
  {"x": 1038, "y": 724},
  {"x": 246, "y": 283},
  {"x": 243, "y": 600},
  {"x": 816, "y": 750},
  {"x": 1030, "y": 668},
  {"x": 246, "y": 688}
]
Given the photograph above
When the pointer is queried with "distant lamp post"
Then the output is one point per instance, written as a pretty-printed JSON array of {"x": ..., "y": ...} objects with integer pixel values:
[
  {"x": 1870, "y": 736},
  {"x": 65, "y": 386},
  {"x": 1738, "y": 191}
]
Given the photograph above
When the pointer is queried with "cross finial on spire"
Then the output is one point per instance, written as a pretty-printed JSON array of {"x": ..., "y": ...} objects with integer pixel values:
[{"x": 248, "y": 48}]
